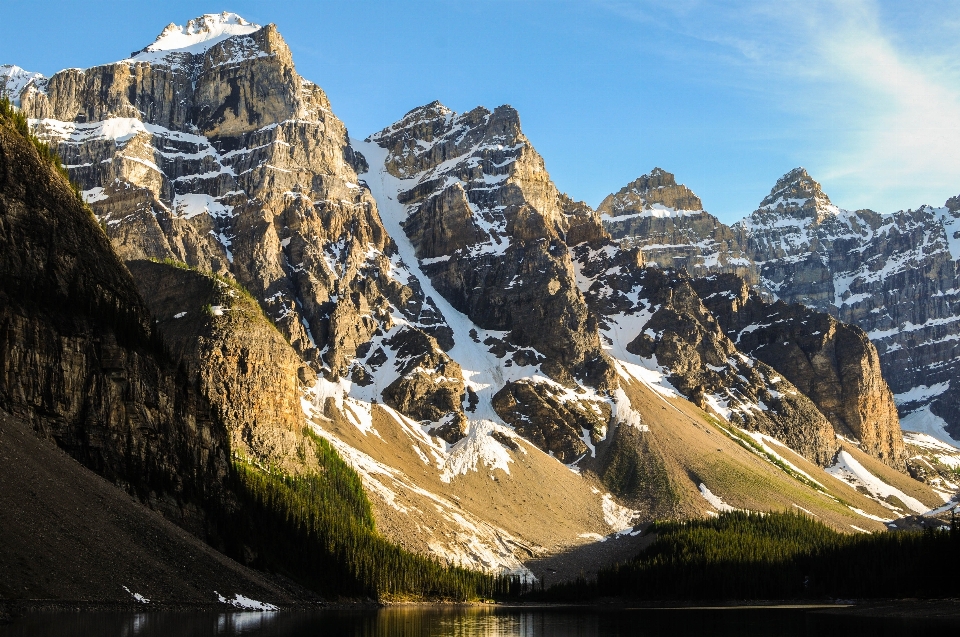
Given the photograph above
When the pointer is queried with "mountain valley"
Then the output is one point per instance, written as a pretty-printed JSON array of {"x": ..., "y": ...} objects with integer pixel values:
[{"x": 520, "y": 382}]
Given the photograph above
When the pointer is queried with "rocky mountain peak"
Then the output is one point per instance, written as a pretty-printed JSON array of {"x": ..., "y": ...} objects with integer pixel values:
[
  {"x": 797, "y": 193},
  {"x": 13, "y": 80},
  {"x": 953, "y": 204},
  {"x": 654, "y": 194},
  {"x": 201, "y": 33}
]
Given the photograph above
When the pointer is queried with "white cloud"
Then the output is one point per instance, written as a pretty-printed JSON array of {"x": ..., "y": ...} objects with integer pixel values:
[
  {"x": 901, "y": 111},
  {"x": 870, "y": 89}
]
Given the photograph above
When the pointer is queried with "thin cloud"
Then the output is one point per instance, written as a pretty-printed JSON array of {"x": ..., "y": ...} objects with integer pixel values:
[{"x": 874, "y": 96}]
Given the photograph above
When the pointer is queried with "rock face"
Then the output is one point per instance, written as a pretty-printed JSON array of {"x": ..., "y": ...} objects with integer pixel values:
[
  {"x": 668, "y": 223},
  {"x": 832, "y": 363},
  {"x": 79, "y": 361},
  {"x": 658, "y": 316},
  {"x": 893, "y": 275},
  {"x": 489, "y": 228},
  {"x": 546, "y": 416},
  {"x": 221, "y": 156},
  {"x": 428, "y": 302},
  {"x": 220, "y": 337}
]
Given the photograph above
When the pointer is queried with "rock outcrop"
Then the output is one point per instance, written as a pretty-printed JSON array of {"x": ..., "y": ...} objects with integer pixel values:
[
  {"x": 490, "y": 230},
  {"x": 893, "y": 275},
  {"x": 221, "y": 156},
  {"x": 219, "y": 336},
  {"x": 667, "y": 221},
  {"x": 832, "y": 363},
  {"x": 658, "y": 316},
  {"x": 553, "y": 420}
]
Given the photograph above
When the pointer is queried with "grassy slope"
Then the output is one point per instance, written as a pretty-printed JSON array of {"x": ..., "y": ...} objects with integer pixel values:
[{"x": 695, "y": 450}]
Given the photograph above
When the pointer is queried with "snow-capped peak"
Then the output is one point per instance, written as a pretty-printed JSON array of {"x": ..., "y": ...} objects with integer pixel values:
[
  {"x": 13, "y": 80},
  {"x": 201, "y": 33}
]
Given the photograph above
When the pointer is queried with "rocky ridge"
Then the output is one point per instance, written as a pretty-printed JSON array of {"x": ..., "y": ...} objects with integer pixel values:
[
  {"x": 667, "y": 222},
  {"x": 861, "y": 267},
  {"x": 80, "y": 361}
]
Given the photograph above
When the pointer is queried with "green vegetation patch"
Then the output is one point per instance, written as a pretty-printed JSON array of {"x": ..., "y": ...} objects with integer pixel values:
[{"x": 319, "y": 530}]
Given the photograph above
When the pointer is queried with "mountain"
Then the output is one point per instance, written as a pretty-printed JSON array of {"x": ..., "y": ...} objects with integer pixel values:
[
  {"x": 668, "y": 222},
  {"x": 81, "y": 366},
  {"x": 893, "y": 275},
  {"x": 504, "y": 368}
]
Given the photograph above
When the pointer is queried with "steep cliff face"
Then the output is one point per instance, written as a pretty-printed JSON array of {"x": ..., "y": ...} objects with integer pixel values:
[
  {"x": 667, "y": 221},
  {"x": 832, "y": 363},
  {"x": 894, "y": 275},
  {"x": 207, "y": 147},
  {"x": 657, "y": 316},
  {"x": 78, "y": 358}
]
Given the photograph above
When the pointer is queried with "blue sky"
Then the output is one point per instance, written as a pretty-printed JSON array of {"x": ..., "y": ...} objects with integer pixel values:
[{"x": 726, "y": 95}]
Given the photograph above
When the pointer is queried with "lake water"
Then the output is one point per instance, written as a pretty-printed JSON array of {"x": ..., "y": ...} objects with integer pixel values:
[{"x": 460, "y": 622}]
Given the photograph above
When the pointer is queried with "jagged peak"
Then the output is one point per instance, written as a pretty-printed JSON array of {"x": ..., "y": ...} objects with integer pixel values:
[
  {"x": 656, "y": 193},
  {"x": 13, "y": 80},
  {"x": 798, "y": 191},
  {"x": 434, "y": 108},
  {"x": 199, "y": 34}
]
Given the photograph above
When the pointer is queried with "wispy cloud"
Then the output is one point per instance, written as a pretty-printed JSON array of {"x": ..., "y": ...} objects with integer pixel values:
[{"x": 873, "y": 88}]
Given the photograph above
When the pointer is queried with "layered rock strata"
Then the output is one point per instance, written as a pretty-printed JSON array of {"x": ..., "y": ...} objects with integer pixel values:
[
  {"x": 893, "y": 275},
  {"x": 667, "y": 221},
  {"x": 221, "y": 156},
  {"x": 657, "y": 316},
  {"x": 490, "y": 230}
]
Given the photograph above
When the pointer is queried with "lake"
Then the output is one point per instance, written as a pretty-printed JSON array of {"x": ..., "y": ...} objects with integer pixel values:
[{"x": 464, "y": 622}]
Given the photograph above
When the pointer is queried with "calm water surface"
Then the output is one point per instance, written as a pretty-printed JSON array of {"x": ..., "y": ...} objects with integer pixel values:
[{"x": 458, "y": 622}]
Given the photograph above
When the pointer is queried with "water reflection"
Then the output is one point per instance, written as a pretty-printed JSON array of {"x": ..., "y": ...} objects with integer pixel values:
[{"x": 454, "y": 622}]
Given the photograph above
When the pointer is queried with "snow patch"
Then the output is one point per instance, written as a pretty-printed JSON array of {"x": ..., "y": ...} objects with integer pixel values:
[
  {"x": 200, "y": 33},
  {"x": 137, "y": 596},
  {"x": 246, "y": 603},
  {"x": 926, "y": 422},
  {"x": 715, "y": 500},
  {"x": 848, "y": 470},
  {"x": 618, "y": 518}
]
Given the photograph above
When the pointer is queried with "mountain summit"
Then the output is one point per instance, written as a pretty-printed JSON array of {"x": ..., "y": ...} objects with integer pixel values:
[
  {"x": 798, "y": 194},
  {"x": 655, "y": 194},
  {"x": 201, "y": 33}
]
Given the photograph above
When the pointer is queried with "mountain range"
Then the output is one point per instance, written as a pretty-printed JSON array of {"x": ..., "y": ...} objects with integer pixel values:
[{"x": 520, "y": 381}]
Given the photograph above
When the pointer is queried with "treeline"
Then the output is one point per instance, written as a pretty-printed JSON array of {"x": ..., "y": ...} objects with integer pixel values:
[
  {"x": 741, "y": 555},
  {"x": 19, "y": 122},
  {"x": 318, "y": 529}
]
